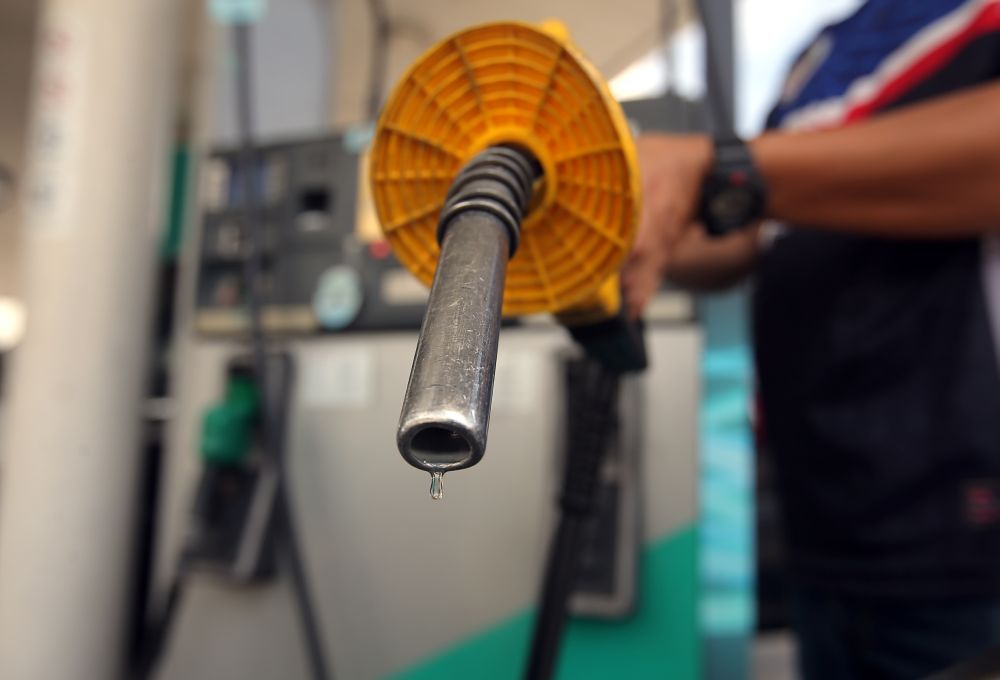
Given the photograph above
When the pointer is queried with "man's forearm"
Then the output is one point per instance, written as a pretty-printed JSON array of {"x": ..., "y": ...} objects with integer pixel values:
[{"x": 931, "y": 170}]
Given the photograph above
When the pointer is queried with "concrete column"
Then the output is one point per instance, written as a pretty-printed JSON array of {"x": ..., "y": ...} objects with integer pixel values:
[{"x": 101, "y": 118}]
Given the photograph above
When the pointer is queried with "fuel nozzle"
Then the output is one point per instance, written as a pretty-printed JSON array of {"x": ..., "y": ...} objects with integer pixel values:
[{"x": 504, "y": 176}]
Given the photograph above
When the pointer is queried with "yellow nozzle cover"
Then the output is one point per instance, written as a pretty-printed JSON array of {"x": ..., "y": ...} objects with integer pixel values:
[{"x": 523, "y": 84}]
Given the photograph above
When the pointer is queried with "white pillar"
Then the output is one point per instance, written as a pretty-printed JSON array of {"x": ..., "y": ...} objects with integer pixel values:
[{"x": 101, "y": 121}]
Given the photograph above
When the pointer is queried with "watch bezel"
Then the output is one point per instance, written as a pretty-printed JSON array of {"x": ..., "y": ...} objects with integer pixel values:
[{"x": 732, "y": 171}]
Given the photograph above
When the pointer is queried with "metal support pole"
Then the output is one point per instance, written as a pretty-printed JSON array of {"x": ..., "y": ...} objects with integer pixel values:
[
  {"x": 720, "y": 65},
  {"x": 101, "y": 119}
]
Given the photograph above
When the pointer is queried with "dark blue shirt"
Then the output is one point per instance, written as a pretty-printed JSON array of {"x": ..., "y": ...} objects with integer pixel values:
[{"x": 878, "y": 368}]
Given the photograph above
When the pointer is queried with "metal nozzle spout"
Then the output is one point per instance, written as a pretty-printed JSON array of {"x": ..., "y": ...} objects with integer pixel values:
[
  {"x": 446, "y": 410},
  {"x": 447, "y": 407}
]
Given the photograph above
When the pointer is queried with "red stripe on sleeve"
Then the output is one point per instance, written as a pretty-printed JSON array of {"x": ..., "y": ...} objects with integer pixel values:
[{"x": 987, "y": 21}]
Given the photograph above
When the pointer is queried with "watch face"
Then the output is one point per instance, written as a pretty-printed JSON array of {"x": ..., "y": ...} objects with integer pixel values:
[
  {"x": 732, "y": 205},
  {"x": 734, "y": 193}
]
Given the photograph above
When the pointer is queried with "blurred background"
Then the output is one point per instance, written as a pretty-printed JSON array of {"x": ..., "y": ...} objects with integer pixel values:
[{"x": 134, "y": 530}]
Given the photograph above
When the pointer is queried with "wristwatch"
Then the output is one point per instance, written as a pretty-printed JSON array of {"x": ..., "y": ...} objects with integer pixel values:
[{"x": 734, "y": 193}]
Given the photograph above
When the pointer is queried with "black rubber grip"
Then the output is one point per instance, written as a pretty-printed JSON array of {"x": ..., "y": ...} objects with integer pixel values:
[{"x": 498, "y": 181}]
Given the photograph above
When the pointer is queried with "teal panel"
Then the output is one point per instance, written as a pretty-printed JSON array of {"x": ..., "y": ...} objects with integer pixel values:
[
  {"x": 726, "y": 489},
  {"x": 726, "y": 493},
  {"x": 660, "y": 642}
]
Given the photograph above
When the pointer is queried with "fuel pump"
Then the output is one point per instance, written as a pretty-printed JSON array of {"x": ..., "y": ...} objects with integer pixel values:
[{"x": 505, "y": 177}]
